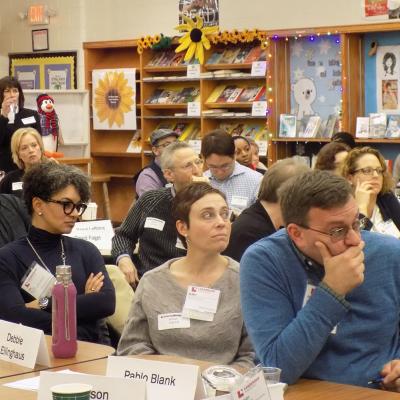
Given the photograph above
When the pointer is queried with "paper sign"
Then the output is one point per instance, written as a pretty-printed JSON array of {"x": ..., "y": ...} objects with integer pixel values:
[
  {"x": 196, "y": 145},
  {"x": 164, "y": 380},
  {"x": 262, "y": 146},
  {"x": 100, "y": 233},
  {"x": 253, "y": 388},
  {"x": 28, "y": 120},
  {"x": 22, "y": 345},
  {"x": 193, "y": 109},
  {"x": 259, "y": 109},
  {"x": 193, "y": 71},
  {"x": 258, "y": 68},
  {"x": 103, "y": 387}
]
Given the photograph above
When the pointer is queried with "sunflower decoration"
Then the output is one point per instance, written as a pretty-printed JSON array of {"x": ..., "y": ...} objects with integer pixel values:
[
  {"x": 113, "y": 98},
  {"x": 195, "y": 39}
]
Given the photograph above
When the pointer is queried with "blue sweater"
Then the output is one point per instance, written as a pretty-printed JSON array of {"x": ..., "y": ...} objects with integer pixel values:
[{"x": 299, "y": 340}]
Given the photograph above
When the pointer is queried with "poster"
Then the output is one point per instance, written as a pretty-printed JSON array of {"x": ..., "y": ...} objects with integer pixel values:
[
  {"x": 28, "y": 76},
  {"x": 57, "y": 76},
  {"x": 114, "y": 99},
  {"x": 375, "y": 9},
  {"x": 207, "y": 9},
  {"x": 387, "y": 78}
]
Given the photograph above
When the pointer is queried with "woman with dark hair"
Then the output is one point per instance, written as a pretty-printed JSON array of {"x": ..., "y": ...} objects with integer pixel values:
[
  {"x": 55, "y": 196},
  {"x": 373, "y": 185},
  {"x": 13, "y": 116},
  {"x": 156, "y": 324},
  {"x": 389, "y": 63},
  {"x": 331, "y": 157}
]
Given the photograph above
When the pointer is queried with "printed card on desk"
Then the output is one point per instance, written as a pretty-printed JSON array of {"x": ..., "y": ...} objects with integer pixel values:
[
  {"x": 23, "y": 345},
  {"x": 103, "y": 387},
  {"x": 164, "y": 380},
  {"x": 253, "y": 388}
]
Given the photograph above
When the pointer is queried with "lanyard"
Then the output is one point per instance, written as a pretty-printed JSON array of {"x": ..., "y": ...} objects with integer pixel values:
[{"x": 63, "y": 256}]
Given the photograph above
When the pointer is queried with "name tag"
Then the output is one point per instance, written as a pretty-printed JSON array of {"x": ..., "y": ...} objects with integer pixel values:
[
  {"x": 154, "y": 223},
  {"x": 28, "y": 120},
  {"x": 253, "y": 388},
  {"x": 22, "y": 345},
  {"x": 37, "y": 281},
  {"x": 239, "y": 202},
  {"x": 172, "y": 321},
  {"x": 164, "y": 380},
  {"x": 201, "y": 303},
  {"x": 16, "y": 186},
  {"x": 103, "y": 387}
]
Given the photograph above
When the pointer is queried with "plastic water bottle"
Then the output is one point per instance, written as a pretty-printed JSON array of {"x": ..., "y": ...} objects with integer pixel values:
[{"x": 64, "y": 343}]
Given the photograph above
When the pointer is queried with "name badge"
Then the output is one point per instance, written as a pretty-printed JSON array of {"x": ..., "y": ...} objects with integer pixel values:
[
  {"x": 16, "y": 186},
  {"x": 154, "y": 223},
  {"x": 172, "y": 321},
  {"x": 28, "y": 120},
  {"x": 164, "y": 380},
  {"x": 253, "y": 388},
  {"x": 201, "y": 303},
  {"x": 37, "y": 281},
  {"x": 22, "y": 345},
  {"x": 103, "y": 387},
  {"x": 239, "y": 202}
]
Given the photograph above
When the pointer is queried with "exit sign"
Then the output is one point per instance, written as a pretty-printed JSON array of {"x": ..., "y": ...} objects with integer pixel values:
[{"x": 37, "y": 14}]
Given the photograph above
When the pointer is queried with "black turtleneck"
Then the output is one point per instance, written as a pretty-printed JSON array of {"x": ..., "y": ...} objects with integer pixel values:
[{"x": 84, "y": 258}]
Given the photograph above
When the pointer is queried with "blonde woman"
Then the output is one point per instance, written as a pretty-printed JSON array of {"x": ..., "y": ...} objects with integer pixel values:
[
  {"x": 366, "y": 170},
  {"x": 27, "y": 150}
]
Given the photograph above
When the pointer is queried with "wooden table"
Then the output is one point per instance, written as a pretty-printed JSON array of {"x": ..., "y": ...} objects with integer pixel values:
[
  {"x": 86, "y": 352},
  {"x": 306, "y": 389}
]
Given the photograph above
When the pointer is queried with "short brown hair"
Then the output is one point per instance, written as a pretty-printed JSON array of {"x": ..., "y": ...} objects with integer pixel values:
[
  {"x": 277, "y": 175},
  {"x": 9, "y": 82},
  {"x": 349, "y": 166},
  {"x": 326, "y": 156},
  {"x": 319, "y": 189},
  {"x": 185, "y": 198},
  {"x": 217, "y": 142},
  {"x": 16, "y": 138}
]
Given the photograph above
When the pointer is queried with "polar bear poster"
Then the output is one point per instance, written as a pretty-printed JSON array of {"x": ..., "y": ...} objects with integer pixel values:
[{"x": 305, "y": 93}]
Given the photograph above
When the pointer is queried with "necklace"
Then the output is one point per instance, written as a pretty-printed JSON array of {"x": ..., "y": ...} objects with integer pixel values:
[{"x": 63, "y": 256}]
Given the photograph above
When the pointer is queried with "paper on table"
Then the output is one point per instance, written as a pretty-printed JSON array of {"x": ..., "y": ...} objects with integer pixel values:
[{"x": 32, "y": 383}]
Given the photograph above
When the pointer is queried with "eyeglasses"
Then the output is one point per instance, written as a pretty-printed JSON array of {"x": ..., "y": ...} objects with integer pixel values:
[
  {"x": 337, "y": 234},
  {"x": 190, "y": 165},
  {"x": 369, "y": 171},
  {"x": 223, "y": 167},
  {"x": 70, "y": 206},
  {"x": 164, "y": 145}
]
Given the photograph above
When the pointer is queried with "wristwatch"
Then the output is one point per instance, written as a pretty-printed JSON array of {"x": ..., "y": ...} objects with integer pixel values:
[{"x": 43, "y": 303}]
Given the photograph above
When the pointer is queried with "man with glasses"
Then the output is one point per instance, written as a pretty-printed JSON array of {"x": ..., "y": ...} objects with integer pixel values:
[
  {"x": 239, "y": 183},
  {"x": 321, "y": 299},
  {"x": 150, "y": 222},
  {"x": 151, "y": 177}
]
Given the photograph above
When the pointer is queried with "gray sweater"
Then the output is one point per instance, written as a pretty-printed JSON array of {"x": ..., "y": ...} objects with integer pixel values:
[{"x": 222, "y": 341}]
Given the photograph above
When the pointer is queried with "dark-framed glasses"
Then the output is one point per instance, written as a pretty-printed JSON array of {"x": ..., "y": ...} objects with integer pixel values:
[
  {"x": 339, "y": 233},
  {"x": 369, "y": 171},
  {"x": 69, "y": 206}
]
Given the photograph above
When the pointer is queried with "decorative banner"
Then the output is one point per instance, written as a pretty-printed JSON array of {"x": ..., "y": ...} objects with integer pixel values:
[
  {"x": 114, "y": 103},
  {"x": 207, "y": 9},
  {"x": 387, "y": 78}
]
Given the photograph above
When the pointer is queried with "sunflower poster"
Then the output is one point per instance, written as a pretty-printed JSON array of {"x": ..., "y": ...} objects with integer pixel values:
[
  {"x": 208, "y": 10},
  {"x": 114, "y": 103}
]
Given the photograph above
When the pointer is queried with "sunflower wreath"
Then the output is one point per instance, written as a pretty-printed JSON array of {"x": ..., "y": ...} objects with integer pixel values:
[
  {"x": 235, "y": 36},
  {"x": 156, "y": 42}
]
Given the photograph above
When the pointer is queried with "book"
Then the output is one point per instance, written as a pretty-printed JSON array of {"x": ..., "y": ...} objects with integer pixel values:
[
  {"x": 229, "y": 55},
  {"x": 250, "y": 131},
  {"x": 215, "y": 94},
  {"x": 377, "y": 125},
  {"x": 235, "y": 95},
  {"x": 254, "y": 55},
  {"x": 186, "y": 94},
  {"x": 287, "y": 126},
  {"x": 330, "y": 125},
  {"x": 153, "y": 99},
  {"x": 134, "y": 145},
  {"x": 227, "y": 92},
  {"x": 393, "y": 127},
  {"x": 362, "y": 127},
  {"x": 312, "y": 126},
  {"x": 242, "y": 54},
  {"x": 250, "y": 93},
  {"x": 215, "y": 56}
]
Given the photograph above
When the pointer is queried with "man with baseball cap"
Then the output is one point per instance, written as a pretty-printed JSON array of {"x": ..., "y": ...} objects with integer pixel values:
[{"x": 151, "y": 177}]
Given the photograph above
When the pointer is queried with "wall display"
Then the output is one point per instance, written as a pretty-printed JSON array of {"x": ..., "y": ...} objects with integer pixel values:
[
  {"x": 40, "y": 39},
  {"x": 315, "y": 76},
  {"x": 207, "y": 9},
  {"x": 45, "y": 71},
  {"x": 387, "y": 78},
  {"x": 114, "y": 103},
  {"x": 375, "y": 9}
]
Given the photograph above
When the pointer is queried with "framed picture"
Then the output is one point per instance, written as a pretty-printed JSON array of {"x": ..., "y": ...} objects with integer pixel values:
[
  {"x": 40, "y": 39},
  {"x": 55, "y": 71}
]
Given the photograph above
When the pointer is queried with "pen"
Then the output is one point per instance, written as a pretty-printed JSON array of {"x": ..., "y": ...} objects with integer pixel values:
[{"x": 375, "y": 381}]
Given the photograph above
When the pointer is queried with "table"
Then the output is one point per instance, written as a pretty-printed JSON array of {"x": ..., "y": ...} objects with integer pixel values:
[
  {"x": 305, "y": 389},
  {"x": 86, "y": 352}
]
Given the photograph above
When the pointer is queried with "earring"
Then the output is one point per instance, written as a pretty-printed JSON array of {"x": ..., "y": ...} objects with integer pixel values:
[{"x": 40, "y": 213}]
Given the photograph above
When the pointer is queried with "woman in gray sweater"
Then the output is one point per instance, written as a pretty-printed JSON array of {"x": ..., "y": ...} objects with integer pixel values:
[{"x": 163, "y": 318}]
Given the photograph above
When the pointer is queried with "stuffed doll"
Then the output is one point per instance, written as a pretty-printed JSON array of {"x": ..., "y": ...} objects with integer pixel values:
[{"x": 48, "y": 122}]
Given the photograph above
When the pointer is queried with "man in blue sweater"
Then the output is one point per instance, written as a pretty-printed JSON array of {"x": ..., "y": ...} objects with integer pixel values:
[{"x": 320, "y": 299}]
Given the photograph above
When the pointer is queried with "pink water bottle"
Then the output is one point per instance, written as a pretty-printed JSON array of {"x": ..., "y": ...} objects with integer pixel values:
[{"x": 64, "y": 344}]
